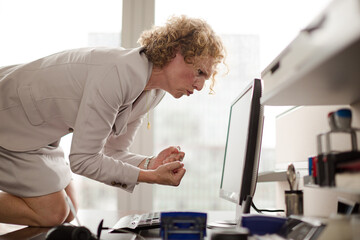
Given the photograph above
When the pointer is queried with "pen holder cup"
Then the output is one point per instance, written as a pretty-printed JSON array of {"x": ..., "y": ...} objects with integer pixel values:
[{"x": 294, "y": 202}]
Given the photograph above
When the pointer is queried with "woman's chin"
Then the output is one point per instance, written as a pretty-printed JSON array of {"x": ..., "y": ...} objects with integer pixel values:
[{"x": 178, "y": 95}]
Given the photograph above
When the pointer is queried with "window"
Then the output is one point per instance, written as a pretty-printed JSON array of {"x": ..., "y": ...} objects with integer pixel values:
[
  {"x": 36, "y": 28},
  {"x": 254, "y": 33}
]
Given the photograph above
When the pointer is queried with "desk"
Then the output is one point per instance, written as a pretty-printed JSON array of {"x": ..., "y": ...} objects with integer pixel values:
[{"x": 91, "y": 219}]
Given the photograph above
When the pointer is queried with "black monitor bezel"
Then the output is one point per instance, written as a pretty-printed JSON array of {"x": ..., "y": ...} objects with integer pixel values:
[{"x": 252, "y": 156}]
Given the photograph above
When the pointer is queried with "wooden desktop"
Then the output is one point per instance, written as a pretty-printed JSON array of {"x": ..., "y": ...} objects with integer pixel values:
[{"x": 91, "y": 220}]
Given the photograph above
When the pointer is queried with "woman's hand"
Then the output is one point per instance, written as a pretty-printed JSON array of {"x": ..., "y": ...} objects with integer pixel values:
[
  {"x": 167, "y": 174},
  {"x": 170, "y": 173},
  {"x": 170, "y": 154}
]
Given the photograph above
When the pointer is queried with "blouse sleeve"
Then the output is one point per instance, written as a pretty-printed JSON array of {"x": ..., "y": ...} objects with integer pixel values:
[
  {"x": 118, "y": 147},
  {"x": 97, "y": 112}
]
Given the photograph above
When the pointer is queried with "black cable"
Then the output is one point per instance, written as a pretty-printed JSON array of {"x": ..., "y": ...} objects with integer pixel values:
[{"x": 265, "y": 210}]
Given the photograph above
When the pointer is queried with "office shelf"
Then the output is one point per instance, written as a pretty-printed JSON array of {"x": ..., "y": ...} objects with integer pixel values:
[
  {"x": 272, "y": 176},
  {"x": 323, "y": 201},
  {"x": 321, "y": 66}
]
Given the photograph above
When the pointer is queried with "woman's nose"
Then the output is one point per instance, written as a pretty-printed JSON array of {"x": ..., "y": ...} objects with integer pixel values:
[{"x": 199, "y": 84}]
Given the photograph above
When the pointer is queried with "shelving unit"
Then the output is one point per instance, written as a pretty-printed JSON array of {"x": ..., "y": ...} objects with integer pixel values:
[
  {"x": 272, "y": 176},
  {"x": 322, "y": 65},
  {"x": 324, "y": 200}
]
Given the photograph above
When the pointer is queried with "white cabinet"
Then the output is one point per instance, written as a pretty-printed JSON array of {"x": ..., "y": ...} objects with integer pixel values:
[{"x": 321, "y": 66}]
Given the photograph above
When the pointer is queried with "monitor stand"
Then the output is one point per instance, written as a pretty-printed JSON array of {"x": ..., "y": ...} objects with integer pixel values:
[
  {"x": 236, "y": 223},
  {"x": 228, "y": 224},
  {"x": 224, "y": 224}
]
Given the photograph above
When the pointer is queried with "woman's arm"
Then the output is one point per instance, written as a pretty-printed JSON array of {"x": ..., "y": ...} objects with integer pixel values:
[{"x": 167, "y": 174}]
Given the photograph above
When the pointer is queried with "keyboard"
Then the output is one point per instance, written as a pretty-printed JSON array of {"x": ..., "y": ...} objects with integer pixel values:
[{"x": 136, "y": 222}]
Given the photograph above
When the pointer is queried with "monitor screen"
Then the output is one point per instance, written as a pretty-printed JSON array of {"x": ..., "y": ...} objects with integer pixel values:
[{"x": 243, "y": 143}]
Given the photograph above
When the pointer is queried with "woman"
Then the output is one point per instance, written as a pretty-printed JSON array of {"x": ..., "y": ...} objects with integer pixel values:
[{"x": 101, "y": 95}]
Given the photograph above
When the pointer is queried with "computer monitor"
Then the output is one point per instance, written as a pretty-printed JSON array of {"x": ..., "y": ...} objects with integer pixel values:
[{"x": 243, "y": 144}]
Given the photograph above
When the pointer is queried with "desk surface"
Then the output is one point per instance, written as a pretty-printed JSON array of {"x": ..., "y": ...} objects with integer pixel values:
[{"x": 91, "y": 220}]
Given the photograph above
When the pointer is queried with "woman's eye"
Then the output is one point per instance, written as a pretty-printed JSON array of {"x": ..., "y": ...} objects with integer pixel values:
[{"x": 200, "y": 72}]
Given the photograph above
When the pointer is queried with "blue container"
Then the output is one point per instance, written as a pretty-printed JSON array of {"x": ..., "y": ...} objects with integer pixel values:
[
  {"x": 183, "y": 225},
  {"x": 260, "y": 224}
]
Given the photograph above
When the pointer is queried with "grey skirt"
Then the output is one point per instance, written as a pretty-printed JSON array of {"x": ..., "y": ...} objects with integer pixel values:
[{"x": 34, "y": 173}]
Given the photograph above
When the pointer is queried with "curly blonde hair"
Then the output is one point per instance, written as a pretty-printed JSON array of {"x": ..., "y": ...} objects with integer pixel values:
[{"x": 193, "y": 37}]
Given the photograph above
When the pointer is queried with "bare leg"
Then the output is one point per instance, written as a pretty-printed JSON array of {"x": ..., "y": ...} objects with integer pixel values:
[{"x": 45, "y": 211}]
